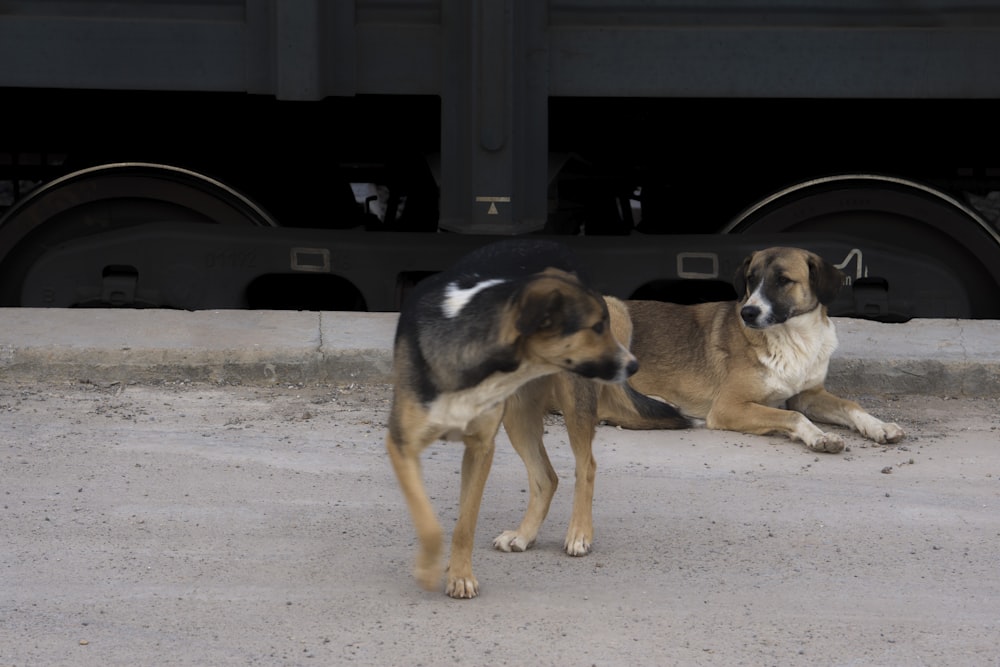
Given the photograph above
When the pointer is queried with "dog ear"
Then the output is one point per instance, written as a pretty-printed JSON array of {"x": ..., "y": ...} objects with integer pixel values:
[
  {"x": 740, "y": 278},
  {"x": 539, "y": 308},
  {"x": 825, "y": 279},
  {"x": 621, "y": 321}
]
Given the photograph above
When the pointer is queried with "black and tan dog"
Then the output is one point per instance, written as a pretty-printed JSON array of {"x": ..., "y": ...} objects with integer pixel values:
[
  {"x": 738, "y": 365},
  {"x": 467, "y": 340}
]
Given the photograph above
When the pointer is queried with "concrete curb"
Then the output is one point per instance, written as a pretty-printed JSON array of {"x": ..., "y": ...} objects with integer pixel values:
[
  {"x": 932, "y": 357},
  {"x": 242, "y": 347}
]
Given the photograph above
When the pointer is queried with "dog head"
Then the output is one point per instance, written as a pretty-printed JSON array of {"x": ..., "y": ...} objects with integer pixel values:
[
  {"x": 559, "y": 322},
  {"x": 777, "y": 284}
]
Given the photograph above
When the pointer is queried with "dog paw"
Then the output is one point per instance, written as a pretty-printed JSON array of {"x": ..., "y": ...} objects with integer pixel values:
[
  {"x": 577, "y": 546},
  {"x": 828, "y": 443},
  {"x": 888, "y": 434},
  {"x": 511, "y": 540},
  {"x": 462, "y": 587},
  {"x": 878, "y": 430},
  {"x": 428, "y": 575}
]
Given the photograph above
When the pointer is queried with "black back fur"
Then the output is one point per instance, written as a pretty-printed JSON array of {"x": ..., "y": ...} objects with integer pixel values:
[{"x": 450, "y": 353}]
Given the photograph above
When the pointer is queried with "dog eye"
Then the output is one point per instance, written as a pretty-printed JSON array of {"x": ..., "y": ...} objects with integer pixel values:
[
  {"x": 784, "y": 280},
  {"x": 598, "y": 328}
]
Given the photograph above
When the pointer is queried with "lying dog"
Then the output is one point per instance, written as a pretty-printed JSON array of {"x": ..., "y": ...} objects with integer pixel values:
[
  {"x": 736, "y": 365},
  {"x": 469, "y": 338},
  {"x": 577, "y": 399}
]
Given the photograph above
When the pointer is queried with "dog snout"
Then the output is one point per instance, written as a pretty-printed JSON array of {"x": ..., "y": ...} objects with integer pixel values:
[
  {"x": 627, "y": 363},
  {"x": 608, "y": 369},
  {"x": 627, "y": 367},
  {"x": 750, "y": 314}
]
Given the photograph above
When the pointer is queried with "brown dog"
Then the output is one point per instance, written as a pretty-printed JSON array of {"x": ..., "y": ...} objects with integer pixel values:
[
  {"x": 466, "y": 340},
  {"x": 738, "y": 365}
]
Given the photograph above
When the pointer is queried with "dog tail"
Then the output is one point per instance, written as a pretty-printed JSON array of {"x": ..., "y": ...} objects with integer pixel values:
[{"x": 621, "y": 405}]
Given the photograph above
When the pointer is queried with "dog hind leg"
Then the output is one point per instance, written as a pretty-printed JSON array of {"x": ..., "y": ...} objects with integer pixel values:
[{"x": 524, "y": 422}]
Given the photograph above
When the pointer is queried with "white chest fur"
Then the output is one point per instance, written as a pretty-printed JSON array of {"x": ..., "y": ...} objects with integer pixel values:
[{"x": 797, "y": 353}]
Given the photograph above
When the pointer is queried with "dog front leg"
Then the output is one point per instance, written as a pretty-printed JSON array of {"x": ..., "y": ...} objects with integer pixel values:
[
  {"x": 405, "y": 457},
  {"x": 479, "y": 441},
  {"x": 822, "y": 406},
  {"x": 579, "y": 400},
  {"x": 760, "y": 419},
  {"x": 524, "y": 421}
]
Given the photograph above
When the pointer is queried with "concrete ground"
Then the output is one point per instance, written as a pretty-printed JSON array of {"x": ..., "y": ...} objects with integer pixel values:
[{"x": 212, "y": 489}]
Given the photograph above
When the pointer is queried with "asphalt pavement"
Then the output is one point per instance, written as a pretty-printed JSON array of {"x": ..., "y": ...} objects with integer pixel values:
[{"x": 927, "y": 356}]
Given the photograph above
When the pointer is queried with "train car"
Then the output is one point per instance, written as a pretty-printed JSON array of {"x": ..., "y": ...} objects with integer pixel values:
[{"x": 305, "y": 154}]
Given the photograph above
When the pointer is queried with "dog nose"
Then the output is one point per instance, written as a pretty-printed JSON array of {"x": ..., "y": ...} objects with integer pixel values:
[
  {"x": 631, "y": 367},
  {"x": 750, "y": 314}
]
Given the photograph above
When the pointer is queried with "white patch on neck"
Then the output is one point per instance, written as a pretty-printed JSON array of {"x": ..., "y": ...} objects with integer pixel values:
[
  {"x": 798, "y": 352},
  {"x": 456, "y": 298}
]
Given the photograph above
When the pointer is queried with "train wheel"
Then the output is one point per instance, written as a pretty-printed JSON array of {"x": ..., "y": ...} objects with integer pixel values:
[
  {"x": 108, "y": 197},
  {"x": 896, "y": 213}
]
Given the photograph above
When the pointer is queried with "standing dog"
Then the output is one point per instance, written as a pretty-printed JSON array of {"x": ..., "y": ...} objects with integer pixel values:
[
  {"x": 737, "y": 365},
  {"x": 466, "y": 340},
  {"x": 577, "y": 399}
]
